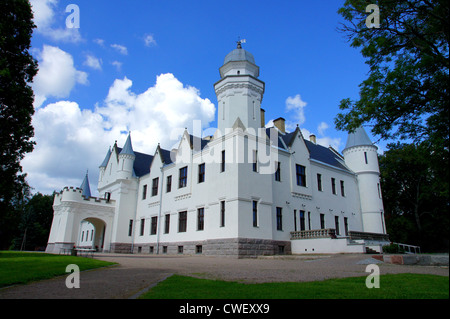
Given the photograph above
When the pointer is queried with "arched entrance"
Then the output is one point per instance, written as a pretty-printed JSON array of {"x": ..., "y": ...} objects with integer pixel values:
[{"x": 92, "y": 234}]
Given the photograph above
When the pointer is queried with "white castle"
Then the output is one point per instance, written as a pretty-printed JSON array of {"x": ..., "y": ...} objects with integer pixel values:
[{"x": 246, "y": 191}]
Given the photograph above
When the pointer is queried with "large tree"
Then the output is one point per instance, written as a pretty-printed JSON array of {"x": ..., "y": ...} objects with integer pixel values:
[
  {"x": 17, "y": 69},
  {"x": 406, "y": 93}
]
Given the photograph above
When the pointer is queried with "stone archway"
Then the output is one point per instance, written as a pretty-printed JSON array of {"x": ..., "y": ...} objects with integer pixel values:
[{"x": 92, "y": 233}]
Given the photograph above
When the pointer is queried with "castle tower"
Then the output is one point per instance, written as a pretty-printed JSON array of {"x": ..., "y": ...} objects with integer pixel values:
[
  {"x": 361, "y": 156},
  {"x": 239, "y": 91},
  {"x": 85, "y": 188},
  {"x": 126, "y": 160}
]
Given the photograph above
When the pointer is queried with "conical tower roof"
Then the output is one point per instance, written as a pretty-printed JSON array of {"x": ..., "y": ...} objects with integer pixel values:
[
  {"x": 358, "y": 138},
  {"x": 86, "y": 190},
  {"x": 128, "y": 147}
]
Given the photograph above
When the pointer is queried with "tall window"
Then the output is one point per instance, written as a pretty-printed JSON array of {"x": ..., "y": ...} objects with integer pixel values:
[
  {"x": 278, "y": 172},
  {"x": 301, "y": 175},
  {"x": 182, "y": 221},
  {"x": 169, "y": 184},
  {"x": 255, "y": 213},
  {"x": 342, "y": 188},
  {"x": 255, "y": 161},
  {"x": 155, "y": 186},
  {"x": 130, "y": 228},
  {"x": 200, "y": 218},
  {"x": 302, "y": 220},
  {"x": 154, "y": 225},
  {"x": 222, "y": 213},
  {"x": 322, "y": 221},
  {"x": 183, "y": 177},
  {"x": 295, "y": 220},
  {"x": 319, "y": 182},
  {"x": 142, "y": 227},
  {"x": 336, "y": 224},
  {"x": 222, "y": 164},
  {"x": 279, "y": 218},
  {"x": 144, "y": 192},
  {"x": 346, "y": 226},
  {"x": 365, "y": 158},
  {"x": 167, "y": 224},
  {"x": 333, "y": 185},
  {"x": 201, "y": 173}
]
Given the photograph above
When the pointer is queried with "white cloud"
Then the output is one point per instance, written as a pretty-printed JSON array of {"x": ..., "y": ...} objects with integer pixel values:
[
  {"x": 149, "y": 40},
  {"x": 44, "y": 18},
  {"x": 296, "y": 105},
  {"x": 57, "y": 75},
  {"x": 93, "y": 62},
  {"x": 322, "y": 128},
  {"x": 120, "y": 48},
  {"x": 71, "y": 140},
  {"x": 117, "y": 64},
  {"x": 100, "y": 42}
]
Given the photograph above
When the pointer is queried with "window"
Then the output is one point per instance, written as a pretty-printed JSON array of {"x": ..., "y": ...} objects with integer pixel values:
[
  {"x": 255, "y": 161},
  {"x": 346, "y": 226},
  {"x": 222, "y": 164},
  {"x": 142, "y": 227},
  {"x": 130, "y": 228},
  {"x": 144, "y": 192},
  {"x": 182, "y": 221},
  {"x": 322, "y": 221},
  {"x": 301, "y": 175},
  {"x": 155, "y": 186},
  {"x": 333, "y": 185},
  {"x": 222, "y": 213},
  {"x": 279, "y": 218},
  {"x": 278, "y": 172},
  {"x": 180, "y": 249},
  {"x": 309, "y": 220},
  {"x": 342, "y": 188},
  {"x": 379, "y": 190},
  {"x": 198, "y": 249},
  {"x": 183, "y": 177},
  {"x": 164, "y": 249},
  {"x": 154, "y": 225},
  {"x": 302, "y": 220},
  {"x": 107, "y": 197},
  {"x": 167, "y": 224},
  {"x": 200, "y": 218},
  {"x": 201, "y": 173},
  {"x": 319, "y": 182},
  {"x": 336, "y": 223},
  {"x": 169, "y": 184},
  {"x": 295, "y": 220},
  {"x": 255, "y": 213},
  {"x": 365, "y": 158}
]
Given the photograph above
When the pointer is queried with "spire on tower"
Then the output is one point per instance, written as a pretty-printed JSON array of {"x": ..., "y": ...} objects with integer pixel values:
[{"x": 86, "y": 190}]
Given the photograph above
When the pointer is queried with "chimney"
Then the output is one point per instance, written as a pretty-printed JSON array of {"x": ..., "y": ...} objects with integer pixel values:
[
  {"x": 263, "y": 118},
  {"x": 312, "y": 138},
  {"x": 279, "y": 123}
]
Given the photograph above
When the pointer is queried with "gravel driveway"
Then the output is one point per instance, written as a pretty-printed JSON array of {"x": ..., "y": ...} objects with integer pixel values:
[{"x": 136, "y": 273}]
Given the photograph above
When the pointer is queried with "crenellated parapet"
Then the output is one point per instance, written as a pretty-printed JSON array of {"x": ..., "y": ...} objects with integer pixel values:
[{"x": 74, "y": 194}]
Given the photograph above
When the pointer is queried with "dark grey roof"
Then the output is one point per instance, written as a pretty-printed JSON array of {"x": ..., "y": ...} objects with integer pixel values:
[
  {"x": 86, "y": 190},
  {"x": 128, "y": 147},
  {"x": 324, "y": 155},
  {"x": 358, "y": 138},
  {"x": 141, "y": 164},
  {"x": 105, "y": 161},
  {"x": 197, "y": 143}
]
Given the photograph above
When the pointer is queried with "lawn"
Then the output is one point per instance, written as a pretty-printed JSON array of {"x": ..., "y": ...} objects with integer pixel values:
[
  {"x": 24, "y": 267},
  {"x": 398, "y": 286}
]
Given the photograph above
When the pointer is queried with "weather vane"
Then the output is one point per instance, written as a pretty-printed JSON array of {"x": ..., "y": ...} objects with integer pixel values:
[{"x": 239, "y": 42}]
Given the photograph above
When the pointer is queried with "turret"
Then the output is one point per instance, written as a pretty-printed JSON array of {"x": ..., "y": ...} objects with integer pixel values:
[
  {"x": 239, "y": 91},
  {"x": 361, "y": 157},
  {"x": 85, "y": 188},
  {"x": 126, "y": 160}
]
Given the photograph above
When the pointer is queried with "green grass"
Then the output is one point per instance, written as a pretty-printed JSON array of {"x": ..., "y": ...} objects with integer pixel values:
[
  {"x": 399, "y": 286},
  {"x": 24, "y": 267}
]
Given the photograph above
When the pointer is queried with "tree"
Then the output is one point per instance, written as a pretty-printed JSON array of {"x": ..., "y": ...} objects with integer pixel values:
[
  {"x": 17, "y": 69},
  {"x": 406, "y": 93},
  {"x": 416, "y": 206}
]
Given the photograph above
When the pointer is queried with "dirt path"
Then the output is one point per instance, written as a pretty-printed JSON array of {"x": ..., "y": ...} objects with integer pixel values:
[{"x": 135, "y": 273}]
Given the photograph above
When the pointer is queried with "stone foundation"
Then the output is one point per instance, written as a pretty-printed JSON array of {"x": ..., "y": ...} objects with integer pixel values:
[
  {"x": 121, "y": 248},
  {"x": 233, "y": 247}
]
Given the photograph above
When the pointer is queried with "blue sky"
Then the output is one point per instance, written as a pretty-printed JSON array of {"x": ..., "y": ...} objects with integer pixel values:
[{"x": 150, "y": 66}]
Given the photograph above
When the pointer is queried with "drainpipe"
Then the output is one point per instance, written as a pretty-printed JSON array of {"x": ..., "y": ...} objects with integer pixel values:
[{"x": 158, "y": 231}]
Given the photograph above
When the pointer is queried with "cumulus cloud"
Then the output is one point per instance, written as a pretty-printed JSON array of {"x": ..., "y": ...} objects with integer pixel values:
[
  {"x": 93, "y": 62},
  {"x": 295, "y": 105},
  {"x": 57, "y": 75},
  {"x": 120, "y": 48},
  {"x": 71, "y": 140},
  {"x": 149, "y": 40},
  {"x": 45, "y": 19}
]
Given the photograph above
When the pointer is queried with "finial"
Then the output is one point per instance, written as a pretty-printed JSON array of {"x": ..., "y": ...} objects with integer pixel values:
[{"x": 239, "y": 42}]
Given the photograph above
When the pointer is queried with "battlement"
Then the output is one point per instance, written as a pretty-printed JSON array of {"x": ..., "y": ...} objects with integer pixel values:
[{"x": 74, "y": 194}]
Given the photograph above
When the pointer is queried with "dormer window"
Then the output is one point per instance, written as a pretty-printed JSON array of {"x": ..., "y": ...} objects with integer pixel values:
[{"x": 238, "y": 72}]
